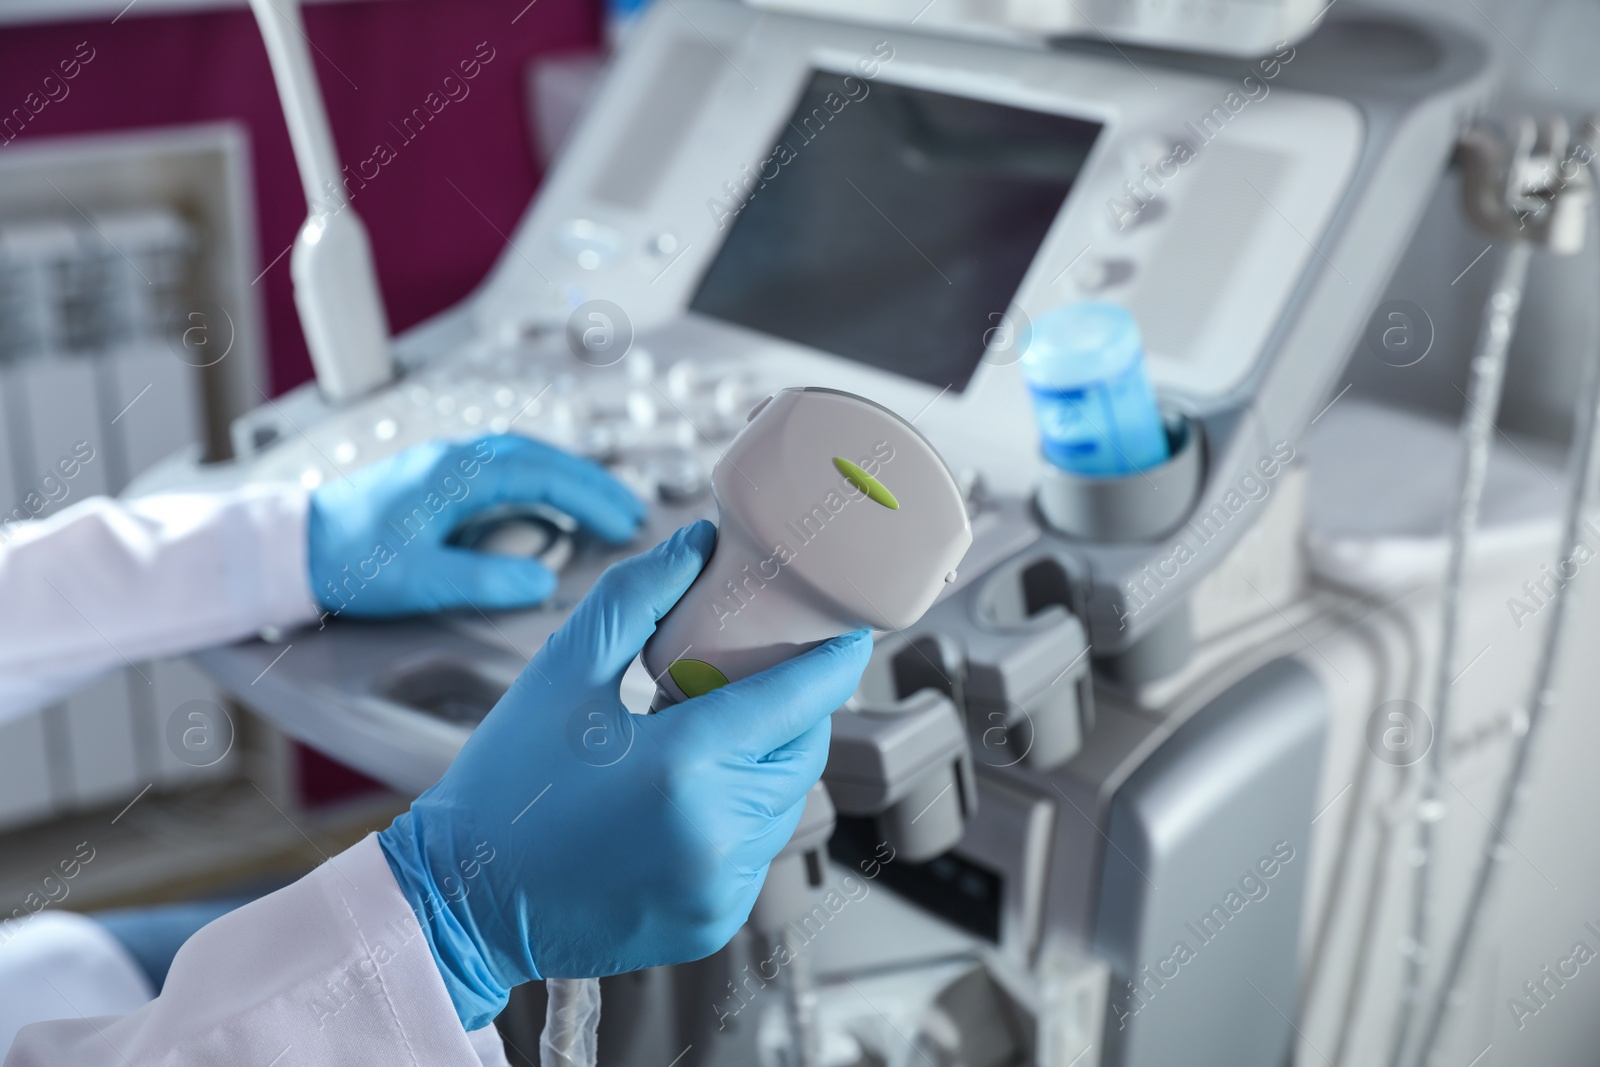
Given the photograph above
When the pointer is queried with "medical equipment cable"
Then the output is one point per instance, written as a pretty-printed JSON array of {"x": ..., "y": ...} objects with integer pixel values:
[
  {"x": 1354, "y": 608},
  {"x": 571, "y": 1036},
  {"x": 1390, "y": 815},
  {"x": 1367, "y": 927},
  {"x": 1359, "y": 609},
  {"x": 1360, "y": 775},
  {"x": 800, "y": 1003},
  {"x": 1542, "y": 696},
  {"x": 1477, "y": 427}
]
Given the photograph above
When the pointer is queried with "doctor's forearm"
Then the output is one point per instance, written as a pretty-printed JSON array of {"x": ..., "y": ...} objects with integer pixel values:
[{"x": 107, "y": 583}]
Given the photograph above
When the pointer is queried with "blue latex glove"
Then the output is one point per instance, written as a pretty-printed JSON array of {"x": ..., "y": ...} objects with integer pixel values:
[
  {"x": 376, "y": 539},
  {"x": 570, "y": 839}
]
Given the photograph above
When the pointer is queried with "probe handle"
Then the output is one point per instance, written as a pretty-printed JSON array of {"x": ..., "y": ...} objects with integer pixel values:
[{"x": 743, "y": 613}]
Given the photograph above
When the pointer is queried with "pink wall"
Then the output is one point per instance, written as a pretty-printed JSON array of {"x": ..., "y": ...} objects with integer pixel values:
[{"x": 377, "y": 60}]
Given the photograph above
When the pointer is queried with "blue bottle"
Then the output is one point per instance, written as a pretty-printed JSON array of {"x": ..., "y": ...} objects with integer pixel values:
[
  {"x": 1096, "y": 411},
  {"x": 621, "y": 15}
]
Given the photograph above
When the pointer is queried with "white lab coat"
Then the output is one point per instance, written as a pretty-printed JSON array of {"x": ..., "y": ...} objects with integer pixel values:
[
  {"x": 332, "y": 970},
  {"x": 104, "y": 584}
]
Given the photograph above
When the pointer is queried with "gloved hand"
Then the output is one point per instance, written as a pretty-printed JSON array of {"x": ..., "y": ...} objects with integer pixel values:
[
  {"x": 570, "y": 839},
  {"x": 376, "y": 539}
]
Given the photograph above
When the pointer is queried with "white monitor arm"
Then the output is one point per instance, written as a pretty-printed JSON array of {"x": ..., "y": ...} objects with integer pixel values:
[{"x": 335, "y": 283}]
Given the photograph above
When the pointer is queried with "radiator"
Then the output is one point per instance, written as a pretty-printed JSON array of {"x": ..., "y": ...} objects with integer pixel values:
[{"x": 95, "y": 374}]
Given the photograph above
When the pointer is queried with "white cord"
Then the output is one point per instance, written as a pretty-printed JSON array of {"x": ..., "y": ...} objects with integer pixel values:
[
  {"x": 800, "y": 1004},
  {"x": 1582, "y": 465},
  {"x": 571, "y": 1035},
  {"x": 1477, "y": 426}
]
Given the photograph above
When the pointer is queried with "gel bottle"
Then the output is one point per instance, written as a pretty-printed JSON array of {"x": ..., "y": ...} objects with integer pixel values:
[{"x": 1096, "y": 410}]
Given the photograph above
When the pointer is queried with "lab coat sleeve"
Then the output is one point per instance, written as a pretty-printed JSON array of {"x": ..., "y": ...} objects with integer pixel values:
[
  {"x": 108, "y": 583},
  {"x": 332, "y": 971}
]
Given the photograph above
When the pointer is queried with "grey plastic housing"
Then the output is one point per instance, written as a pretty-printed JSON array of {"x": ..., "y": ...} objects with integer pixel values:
[
  {"x": 1207, "y": 847},
  {"x": 1020, "y": 657},
  {"x": 1028, "y": 660},
  {"x": 908, "y": 765},
  {"x": 1132, "y": 507},
  {"x": 796, "y": 878},
  {"x": 1413, "y": 95},
  {"x": 1164, "y": 648}
]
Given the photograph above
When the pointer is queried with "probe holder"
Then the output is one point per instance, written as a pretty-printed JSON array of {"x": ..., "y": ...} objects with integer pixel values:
[
  {"x": 908, "y": 765},
  {"x": 1027, "y": 662},
  {"x": 796, "y": 877}
]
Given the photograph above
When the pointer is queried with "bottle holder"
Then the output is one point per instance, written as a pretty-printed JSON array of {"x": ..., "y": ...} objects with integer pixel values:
[{"x": 1140, "y": 506}]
